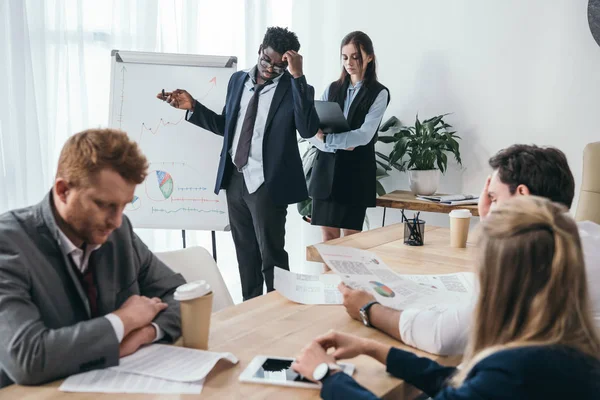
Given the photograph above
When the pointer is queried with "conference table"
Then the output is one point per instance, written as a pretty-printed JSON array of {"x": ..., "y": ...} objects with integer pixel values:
[{"x": 273, "y": 325}]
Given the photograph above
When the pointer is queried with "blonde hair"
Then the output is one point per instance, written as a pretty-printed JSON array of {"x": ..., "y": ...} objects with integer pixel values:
[
  {"x": 533, "y": 286},
  {"x": 87, "y": 153}
]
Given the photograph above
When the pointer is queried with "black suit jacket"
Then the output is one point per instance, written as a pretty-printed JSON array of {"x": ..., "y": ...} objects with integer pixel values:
[{"x": 292, "y": 109}]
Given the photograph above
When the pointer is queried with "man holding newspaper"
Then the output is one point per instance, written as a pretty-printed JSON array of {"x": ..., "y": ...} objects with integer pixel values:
[{"x": 518, "y": 170}]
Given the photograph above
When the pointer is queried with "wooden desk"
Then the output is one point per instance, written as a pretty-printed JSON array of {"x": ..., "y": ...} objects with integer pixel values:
[
  {"x": 405, "y": 200},
  {"x": 272, "y": 325}
]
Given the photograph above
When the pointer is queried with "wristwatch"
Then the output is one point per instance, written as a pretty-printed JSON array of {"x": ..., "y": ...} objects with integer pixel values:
[
  {"x": 323, "y": 370},
  {"x": 364, "y": 313}
]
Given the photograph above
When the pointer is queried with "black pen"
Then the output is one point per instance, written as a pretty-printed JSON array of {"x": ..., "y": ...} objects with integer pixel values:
[{"x": 164, "y": 98}]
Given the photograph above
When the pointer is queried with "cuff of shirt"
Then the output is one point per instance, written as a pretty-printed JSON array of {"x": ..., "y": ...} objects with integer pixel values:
[
  {"x": 117, "y": 325},
  {"x": 159, "y": 333},
  {"x": 406, "y": 325}
]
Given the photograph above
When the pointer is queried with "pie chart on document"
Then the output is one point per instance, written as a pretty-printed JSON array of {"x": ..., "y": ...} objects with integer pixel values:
[{"x": 382, "y": 289}]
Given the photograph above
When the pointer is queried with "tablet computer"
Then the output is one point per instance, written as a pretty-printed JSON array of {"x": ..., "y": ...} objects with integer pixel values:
[
  {"x": 331, "y": 117},
  {"x": 278, "y": 371}
]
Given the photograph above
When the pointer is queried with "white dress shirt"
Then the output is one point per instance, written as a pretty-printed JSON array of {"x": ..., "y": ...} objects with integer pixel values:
[
  {"x": 446, "y": 332},
  {"x": 253, "y": 172},
  {"x": 81, "y": 260}
]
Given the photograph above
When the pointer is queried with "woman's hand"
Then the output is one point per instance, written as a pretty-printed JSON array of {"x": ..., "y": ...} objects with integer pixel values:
[
  {"x": 346, "y": 346},
  {"x": 320, "y": 136},
  {"x": 310, "y": 357}
]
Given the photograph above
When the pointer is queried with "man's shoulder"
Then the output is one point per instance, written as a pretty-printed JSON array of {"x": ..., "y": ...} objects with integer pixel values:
[{"x": 18, "y": 220}]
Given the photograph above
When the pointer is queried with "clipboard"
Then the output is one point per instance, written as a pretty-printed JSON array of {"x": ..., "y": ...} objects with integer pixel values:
[{"x": 331, "y": 117}]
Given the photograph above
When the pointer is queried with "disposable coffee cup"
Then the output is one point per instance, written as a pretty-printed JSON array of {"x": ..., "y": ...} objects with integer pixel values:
[
  {"x": 195, "y": 301},
  {"x": 459, "y": 227}
]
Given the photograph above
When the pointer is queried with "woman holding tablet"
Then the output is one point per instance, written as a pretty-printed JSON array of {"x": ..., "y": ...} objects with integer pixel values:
[
  {"x": 532, "y": 335},
  {"x": 343, "y": 176}
]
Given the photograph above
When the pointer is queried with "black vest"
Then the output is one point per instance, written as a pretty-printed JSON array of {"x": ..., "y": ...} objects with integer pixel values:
[{"x": 348, "y": 177}]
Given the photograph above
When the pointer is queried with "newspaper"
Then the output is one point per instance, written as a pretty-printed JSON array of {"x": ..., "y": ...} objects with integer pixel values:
[
  {"x": 360, "y": 269},
  {"x": 308, "y": 289}
]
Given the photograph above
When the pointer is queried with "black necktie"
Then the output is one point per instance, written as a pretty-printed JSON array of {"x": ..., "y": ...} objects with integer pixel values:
[{"x": 243, "y": 147}]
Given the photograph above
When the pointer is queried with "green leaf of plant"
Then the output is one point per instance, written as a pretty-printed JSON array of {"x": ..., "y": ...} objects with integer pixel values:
[
  {"x": 387, "y": 139},
  {"x": 379, "y": 188},
  {"x": 305, "y": 207}
]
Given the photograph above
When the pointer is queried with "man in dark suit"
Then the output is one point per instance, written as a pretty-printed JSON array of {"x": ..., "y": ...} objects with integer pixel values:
[
  {"x": 79, "y": 289},
  {"x": 260, "y": 163}
]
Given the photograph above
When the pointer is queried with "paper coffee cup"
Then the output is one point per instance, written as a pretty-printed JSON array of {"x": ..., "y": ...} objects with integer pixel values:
[
  {"x": 195, "y": 301},
  {"x": 459, "y": 227}
]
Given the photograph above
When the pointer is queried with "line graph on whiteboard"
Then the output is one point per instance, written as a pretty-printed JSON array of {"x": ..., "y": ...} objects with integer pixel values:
[{"x": 182, "y": 159}]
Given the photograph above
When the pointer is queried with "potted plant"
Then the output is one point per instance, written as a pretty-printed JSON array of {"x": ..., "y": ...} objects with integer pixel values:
[{"x": 421, "y": 149}]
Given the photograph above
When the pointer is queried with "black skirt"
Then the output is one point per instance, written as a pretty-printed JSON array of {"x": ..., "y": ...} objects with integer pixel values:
[{"x": 337, "y": 215}]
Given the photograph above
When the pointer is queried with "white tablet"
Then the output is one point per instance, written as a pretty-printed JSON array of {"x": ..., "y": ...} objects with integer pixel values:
[{"x": 278, "y": 371}]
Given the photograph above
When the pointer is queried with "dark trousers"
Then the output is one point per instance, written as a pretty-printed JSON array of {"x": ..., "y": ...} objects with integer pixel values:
[{"x": 258, "y": 230}]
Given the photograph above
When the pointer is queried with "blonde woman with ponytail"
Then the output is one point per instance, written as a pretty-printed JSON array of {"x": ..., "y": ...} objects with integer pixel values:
[{"x": 532, "y": 335}]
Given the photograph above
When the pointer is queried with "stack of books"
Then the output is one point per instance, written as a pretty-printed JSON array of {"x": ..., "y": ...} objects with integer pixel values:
[{"x": 452, "y": 199}]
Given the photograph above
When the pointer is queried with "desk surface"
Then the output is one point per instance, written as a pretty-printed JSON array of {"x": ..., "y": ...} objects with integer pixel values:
[
  {"x": 272, "y": 325},
  {"x": 406, "y": 200}
]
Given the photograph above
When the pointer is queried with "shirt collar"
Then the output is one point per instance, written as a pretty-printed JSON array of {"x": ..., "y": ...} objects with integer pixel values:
[
  {"x": 356, "y": 85},
  {"x": 252, "y": 74}
]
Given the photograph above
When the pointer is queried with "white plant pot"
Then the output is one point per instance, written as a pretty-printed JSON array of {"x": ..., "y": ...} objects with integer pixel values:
[{"x": 424, "y": 182}]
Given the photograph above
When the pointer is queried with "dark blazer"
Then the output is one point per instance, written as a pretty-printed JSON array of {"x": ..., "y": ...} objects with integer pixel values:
[
  {"x": 46, "y": 331},
  {"x": 540, "y": 372},
  {"x": 292, "y": 109}
]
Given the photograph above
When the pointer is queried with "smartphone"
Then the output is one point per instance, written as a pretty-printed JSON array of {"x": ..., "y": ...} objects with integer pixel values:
[{"x": 278, "y": 371}]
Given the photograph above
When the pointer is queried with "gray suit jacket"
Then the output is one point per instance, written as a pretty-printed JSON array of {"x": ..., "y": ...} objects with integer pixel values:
[{"x": 46, "y": 331}]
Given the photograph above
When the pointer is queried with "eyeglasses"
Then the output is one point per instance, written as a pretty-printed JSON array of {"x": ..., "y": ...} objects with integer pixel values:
[{"x": 278, "y": 69}]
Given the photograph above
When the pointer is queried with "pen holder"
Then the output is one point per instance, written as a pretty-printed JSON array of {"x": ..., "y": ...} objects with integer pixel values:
[{"x": 414, "y": 232}]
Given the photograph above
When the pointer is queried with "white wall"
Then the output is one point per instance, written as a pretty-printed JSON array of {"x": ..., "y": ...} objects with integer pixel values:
[{"x": 510, "y": 71}]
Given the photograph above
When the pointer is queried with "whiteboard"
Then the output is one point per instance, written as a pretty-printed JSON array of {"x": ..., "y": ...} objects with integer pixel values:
[{"x": 183, "y": 158}]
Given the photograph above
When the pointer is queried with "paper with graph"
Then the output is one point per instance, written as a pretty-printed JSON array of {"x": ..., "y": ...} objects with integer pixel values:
[
  {"x": 178, "y": 192},
  {"x": 361, "y": 269}
]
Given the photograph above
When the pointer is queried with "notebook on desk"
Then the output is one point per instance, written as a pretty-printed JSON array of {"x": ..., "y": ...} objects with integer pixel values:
[{"x": 452, "y": 199}]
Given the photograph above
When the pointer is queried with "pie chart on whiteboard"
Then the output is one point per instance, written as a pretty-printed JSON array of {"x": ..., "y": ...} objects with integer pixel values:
[{"x": 382, "y": 289}]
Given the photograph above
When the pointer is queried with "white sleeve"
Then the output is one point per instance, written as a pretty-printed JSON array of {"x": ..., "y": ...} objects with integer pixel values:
[
  {"x": 159, "y": 333},
  {"x": 438, "y": 332},
  {"x": 117, "y": 325}
]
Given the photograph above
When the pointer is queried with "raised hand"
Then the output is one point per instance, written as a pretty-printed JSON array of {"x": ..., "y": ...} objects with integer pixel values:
[
  {"x": 294, "y": 61},
  {"x": 484, "y": 203},
  {"x": 178, "y": 98}
]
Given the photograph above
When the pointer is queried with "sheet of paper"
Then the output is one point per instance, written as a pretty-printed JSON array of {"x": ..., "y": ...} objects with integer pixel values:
[
  {"x": 364, "y": 270},
  {"x": 172, "y": 363},
  {"x": 308, "y": 289},
  {"x": 110, "y": 381}
]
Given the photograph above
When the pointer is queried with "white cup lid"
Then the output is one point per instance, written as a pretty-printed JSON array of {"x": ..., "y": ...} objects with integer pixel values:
[
  {"x": 191, "y": 290},
  {"x": 460, "y": 213}
]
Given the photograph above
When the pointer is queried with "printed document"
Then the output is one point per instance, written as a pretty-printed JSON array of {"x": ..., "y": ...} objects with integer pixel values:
[
  {"x": 110, "y": 381},
  {"x": 360, "y": 269},
  {"x": 172, "y": 363},
  {"x": 308, "y": 289}
]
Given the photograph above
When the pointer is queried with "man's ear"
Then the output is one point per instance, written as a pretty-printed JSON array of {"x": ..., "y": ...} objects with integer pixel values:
[
  {"x": 61, "y": 188},
  {"x": 522, "y": 190}
]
